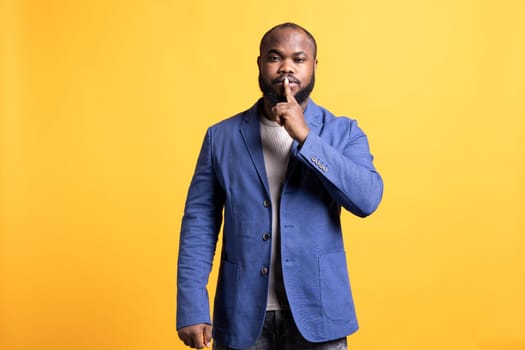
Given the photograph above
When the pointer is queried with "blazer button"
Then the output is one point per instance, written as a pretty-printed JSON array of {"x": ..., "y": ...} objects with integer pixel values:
[
  {"x": 266, "y": 203},
  {"x": 266, "y": 236},
  {"x": 264, "y": 271}
]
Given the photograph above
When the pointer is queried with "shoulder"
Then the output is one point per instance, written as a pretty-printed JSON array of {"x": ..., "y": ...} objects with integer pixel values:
[
  {"x": 233, "y": 122},
  {"x": 329, "y": 122}
]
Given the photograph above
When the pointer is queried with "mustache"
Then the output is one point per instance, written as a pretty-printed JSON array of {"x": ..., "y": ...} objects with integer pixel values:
[{"x": 291, "y": 79}]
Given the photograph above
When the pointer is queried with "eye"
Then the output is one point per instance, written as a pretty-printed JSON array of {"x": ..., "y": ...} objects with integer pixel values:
[
  {"x": 273, "y": 58},
  {"x": 300, "y": 59}
]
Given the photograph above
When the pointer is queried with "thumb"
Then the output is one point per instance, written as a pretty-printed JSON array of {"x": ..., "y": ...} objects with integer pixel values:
[{"x": 207, "y": 335}]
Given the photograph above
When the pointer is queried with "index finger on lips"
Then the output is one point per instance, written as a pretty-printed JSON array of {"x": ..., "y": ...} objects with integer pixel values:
[{"x": 288, "y": 91}]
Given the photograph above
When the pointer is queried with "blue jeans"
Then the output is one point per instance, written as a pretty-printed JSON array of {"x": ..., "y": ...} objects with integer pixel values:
[{"x": 280, "y": 333}]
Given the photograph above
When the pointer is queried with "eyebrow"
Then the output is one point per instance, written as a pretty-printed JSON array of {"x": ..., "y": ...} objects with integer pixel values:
[{"x": 275, "y": 51}]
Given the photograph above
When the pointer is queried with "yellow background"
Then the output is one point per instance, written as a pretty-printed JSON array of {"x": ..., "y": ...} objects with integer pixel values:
[{"x": 103, "y": 106}]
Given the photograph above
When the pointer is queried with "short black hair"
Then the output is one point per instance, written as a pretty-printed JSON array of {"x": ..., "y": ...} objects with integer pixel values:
[{"x": 293, "y": 26}]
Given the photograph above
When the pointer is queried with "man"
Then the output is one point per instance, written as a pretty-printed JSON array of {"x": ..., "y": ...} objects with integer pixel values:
[{"x": 281, "y": 171}]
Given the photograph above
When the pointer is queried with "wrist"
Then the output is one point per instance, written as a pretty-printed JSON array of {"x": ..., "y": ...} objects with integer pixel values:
[{"x": 302, "y": 137}]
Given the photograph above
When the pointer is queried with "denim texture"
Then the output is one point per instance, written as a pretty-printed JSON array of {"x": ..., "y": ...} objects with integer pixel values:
[{"x": 280, "y": 333}]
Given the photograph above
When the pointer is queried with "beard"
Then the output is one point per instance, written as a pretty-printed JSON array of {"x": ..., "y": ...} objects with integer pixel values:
[{"x": 275, "y": 97}]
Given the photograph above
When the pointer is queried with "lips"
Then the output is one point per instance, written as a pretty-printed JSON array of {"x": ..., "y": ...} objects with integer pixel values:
[{"x": 291, "y": 80}]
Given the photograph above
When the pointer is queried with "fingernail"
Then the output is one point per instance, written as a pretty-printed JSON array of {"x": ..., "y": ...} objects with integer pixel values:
[{"x": 286, "y": 80}]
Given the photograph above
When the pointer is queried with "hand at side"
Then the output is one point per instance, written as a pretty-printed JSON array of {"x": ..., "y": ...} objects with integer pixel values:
[{"x": 196, "y": 336}]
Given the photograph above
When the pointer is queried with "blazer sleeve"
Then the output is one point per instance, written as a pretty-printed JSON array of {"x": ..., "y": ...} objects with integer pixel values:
[
  {"x": 346, "y": 170},
  {"x": 198, "y": 239}
]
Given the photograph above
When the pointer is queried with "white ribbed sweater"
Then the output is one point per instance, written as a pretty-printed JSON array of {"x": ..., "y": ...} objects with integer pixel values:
[{"x": 276, "y": 150}]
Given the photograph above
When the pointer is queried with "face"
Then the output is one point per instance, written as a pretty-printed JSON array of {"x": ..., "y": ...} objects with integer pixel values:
[{"x": 287, "y": 52}]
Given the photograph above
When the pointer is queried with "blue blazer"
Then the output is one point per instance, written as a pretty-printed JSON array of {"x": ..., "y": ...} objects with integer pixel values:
[{"x": 332, "y": 169}]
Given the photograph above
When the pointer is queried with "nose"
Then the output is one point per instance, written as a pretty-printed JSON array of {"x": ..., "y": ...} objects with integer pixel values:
[{"x": 286, "y": 67}]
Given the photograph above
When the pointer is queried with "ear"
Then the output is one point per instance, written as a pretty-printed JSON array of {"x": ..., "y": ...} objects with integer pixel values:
[
  {"x": 315, "y": 65},
  {"x": 259, "y": 62}
]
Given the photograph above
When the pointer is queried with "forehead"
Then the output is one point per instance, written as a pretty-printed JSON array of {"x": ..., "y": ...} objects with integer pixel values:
[{"x": 289, "y": 40}]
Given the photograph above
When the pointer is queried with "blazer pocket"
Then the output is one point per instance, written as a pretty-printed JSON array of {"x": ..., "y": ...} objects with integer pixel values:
[{"x": 336, "y": 296}]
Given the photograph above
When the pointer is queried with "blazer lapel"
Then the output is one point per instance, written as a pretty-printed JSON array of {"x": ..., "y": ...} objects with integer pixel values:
[{"x": 250, "y": 131}]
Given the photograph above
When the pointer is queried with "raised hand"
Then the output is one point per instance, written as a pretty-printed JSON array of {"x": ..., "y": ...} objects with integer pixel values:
[{"x": 290, "y": 115}]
